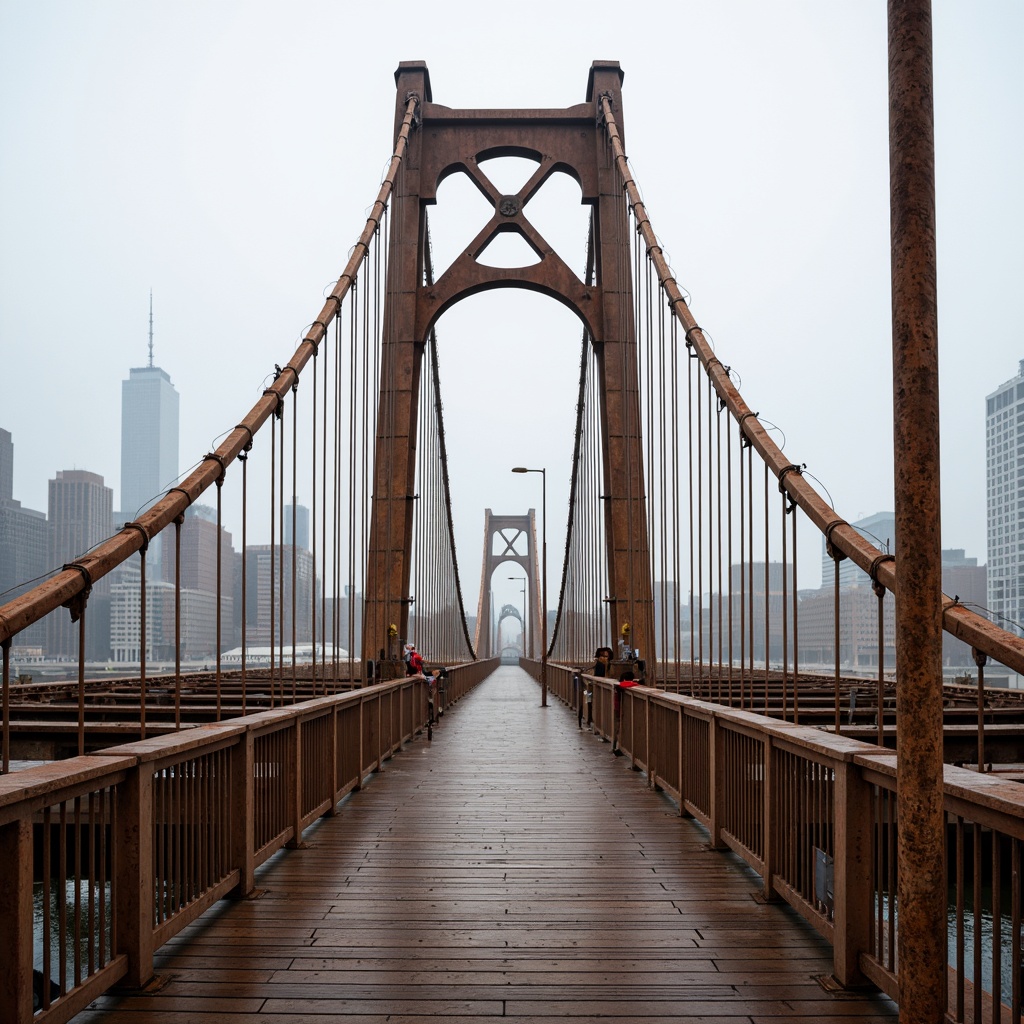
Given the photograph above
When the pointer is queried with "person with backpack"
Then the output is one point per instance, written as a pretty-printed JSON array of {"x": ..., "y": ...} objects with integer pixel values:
[{"x": 414, "y": 663}]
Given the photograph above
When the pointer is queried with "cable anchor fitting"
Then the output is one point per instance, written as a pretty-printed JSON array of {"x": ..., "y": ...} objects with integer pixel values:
[{"x": 77, "y": 602}]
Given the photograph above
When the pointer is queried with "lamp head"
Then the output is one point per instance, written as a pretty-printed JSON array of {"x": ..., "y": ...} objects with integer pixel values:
[{"x": 520, "y": 469}]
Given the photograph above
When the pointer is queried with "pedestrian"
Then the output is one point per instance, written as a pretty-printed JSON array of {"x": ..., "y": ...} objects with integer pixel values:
[
  {"x": 626, "y": 680},
  {"x": 414, "y": 666},
  {"x": 602, "y": 659}
]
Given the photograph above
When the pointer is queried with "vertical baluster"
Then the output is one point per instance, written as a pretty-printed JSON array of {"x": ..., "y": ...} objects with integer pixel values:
[
  {"x": 47, "y": 909},
  {"x": 997, "y": 928},
  {"x": 878, "y": 874},
  {"x": 77, "y": 861},
  {"x": 1015, "y": 927},
  {"x": 90, "y": 829},
  {"x": 978, "y": 923},
  {"x": 62, "y": 899},
  {"x": 891, "y": 882}
]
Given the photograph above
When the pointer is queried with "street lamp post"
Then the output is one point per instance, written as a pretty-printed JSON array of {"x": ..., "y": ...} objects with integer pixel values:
[
  {"x": 544, "y": 581},
  {"x": 522, "y": 579}
]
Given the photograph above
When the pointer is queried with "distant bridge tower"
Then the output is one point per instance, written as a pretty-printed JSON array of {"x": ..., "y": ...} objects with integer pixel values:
[
  {"x": 509, "y": 540},
  {"x": 447, "y": 141}
]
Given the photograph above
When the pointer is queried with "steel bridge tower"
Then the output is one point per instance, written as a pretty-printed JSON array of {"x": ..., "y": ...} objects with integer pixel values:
[
  {"x": 505, "y": 538},
  {"x": 570, "y": 140}
]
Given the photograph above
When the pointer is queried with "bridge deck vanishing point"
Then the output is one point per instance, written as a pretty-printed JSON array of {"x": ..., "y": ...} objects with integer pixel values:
[{"x": 509, "y": 868}]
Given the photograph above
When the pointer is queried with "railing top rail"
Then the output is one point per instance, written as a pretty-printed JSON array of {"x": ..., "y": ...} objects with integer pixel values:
[{"x": 51, "y": 779}]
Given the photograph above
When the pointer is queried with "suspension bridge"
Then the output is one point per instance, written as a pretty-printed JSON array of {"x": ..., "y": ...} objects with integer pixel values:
[{"x": 307, "y": 834}]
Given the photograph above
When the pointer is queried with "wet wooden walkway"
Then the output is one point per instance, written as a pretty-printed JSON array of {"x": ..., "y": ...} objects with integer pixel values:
[{"x": 509, "y": 868}]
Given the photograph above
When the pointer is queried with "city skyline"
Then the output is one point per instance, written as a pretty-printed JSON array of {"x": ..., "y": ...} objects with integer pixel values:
[{"x": 136, "y": 167}]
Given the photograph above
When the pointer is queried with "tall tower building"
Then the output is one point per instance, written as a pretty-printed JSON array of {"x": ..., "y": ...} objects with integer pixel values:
[
  {"x": 149, "y": 435},
  {"x": 24, "y": 547},
  {"x": 301, "y": 516},
  {"x": 1004, "y": 462},
  {"x": 6, "y": 465},
  {"x": 81, "y": 515}
]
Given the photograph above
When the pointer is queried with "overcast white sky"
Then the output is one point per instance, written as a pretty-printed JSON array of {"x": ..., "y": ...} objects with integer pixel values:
[{"x": 224, "y": 154}]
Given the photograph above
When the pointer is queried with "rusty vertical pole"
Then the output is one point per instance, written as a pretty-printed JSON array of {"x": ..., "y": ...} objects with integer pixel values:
[
  {"x": 389, "y": 561},
  {"x": 922, "y": 885}
]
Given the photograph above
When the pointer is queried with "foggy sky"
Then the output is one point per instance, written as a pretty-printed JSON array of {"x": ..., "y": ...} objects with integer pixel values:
[{"x": 225, "y": 155}]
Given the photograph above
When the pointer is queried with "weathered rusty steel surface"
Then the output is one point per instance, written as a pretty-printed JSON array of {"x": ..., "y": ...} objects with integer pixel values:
[
  {"x": 496, "y": 526},
  {"x": 449, "y": 141},
  {"x": 922, "y": 893}
]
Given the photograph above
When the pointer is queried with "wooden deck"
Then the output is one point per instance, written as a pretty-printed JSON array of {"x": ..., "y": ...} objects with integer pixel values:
[{"x": 510, "y": 868}]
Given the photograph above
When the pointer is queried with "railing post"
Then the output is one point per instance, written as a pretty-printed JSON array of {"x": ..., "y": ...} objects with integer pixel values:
[
  {"x": 333, "y": 767},
  {"x": 133, "y": 846},
  {"x": 16, "y": 922},
  {"x": 243, "y": 839},
  {"x": 681, "y": 726},
  {"x": 716, "y": 780},
  {"x": 295, "y": 789},
  {"x": 359, "y": 724},
  {"x": 652, "y": 781},
  {"x": 770, "y": 840},
  {"x": 380, "y": 732},
  {"x": 852, "y": 892}
]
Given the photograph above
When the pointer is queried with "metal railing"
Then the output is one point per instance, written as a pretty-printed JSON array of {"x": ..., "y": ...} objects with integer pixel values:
[
  {"x": 108, "y": 856},
  {"x": 815, "y": 815}
]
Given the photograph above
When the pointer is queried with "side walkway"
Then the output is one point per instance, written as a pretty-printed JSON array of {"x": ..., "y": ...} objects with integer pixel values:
[{"x": 509, "y": 868}]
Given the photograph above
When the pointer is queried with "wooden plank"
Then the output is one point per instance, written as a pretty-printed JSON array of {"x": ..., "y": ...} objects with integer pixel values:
[{"x": 509, "y": 868}]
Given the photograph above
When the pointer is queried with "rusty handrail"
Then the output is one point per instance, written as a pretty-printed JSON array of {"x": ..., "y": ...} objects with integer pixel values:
[{"x": 28, "y": 608}]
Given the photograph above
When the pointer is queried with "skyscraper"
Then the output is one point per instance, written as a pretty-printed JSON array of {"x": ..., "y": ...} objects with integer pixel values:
[
  {"x": 301, "y": 515},
  {"x": 6, "y": 465},
  {"x": 149, "y": 435},
  {"x": 24, "y": 546},
  {"x": 81, "y": 515},
  {"x": 1004, "y": 462}
]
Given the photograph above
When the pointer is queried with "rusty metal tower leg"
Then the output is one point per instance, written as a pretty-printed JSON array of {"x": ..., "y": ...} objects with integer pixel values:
[
  {"x": 389, "y": 564},
  {"x": 922, "y": 882},
  {"x": 629, "y": 578}
]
